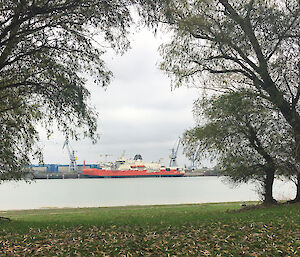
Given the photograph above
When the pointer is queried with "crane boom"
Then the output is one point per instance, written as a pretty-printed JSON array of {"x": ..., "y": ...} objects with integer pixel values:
[
  {"x": 174, "y": 152},
  {"x": 73, "y": 164},
  {"x": 193, "y": 158}
]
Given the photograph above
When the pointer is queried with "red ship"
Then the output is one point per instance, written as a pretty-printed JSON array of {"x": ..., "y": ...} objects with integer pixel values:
[
  {"x": 132, "y": 169},
  {"x": 100, "y": 173}
]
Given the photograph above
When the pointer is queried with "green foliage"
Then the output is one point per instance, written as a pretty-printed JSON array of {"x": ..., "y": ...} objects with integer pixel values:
[
  {"x": 227, "y": 45},
  {"x": 224, "y": 45},
  {"x": 249, "y": 140},
  {"x": 17, "y": 139},
  {"x": 194, "y": 230},
  {"x": 47, "y": 49}
]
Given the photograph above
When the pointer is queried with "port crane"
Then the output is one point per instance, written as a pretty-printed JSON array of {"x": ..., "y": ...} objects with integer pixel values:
[
  {"x": 173, "y": 156},
  {"x": 73, "y": 158},
  {"x": 193, "y": 158}
]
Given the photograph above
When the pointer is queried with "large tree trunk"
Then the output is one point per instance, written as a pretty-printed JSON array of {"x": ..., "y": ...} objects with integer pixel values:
[
  {"x": 297, "y": 198},
  {"x": 269, "y": 167},
  {"x": 293, "y": 119},
  {"x": 268, "y": 187}
]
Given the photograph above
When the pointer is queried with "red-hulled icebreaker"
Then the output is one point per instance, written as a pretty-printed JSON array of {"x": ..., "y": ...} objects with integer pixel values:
[{"x": 124, "y": 168}]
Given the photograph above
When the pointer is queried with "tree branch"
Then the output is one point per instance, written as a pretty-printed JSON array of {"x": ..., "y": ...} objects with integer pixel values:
[
  {"x": 283, "y": 35},
  {"x": 247, "y": 28}
]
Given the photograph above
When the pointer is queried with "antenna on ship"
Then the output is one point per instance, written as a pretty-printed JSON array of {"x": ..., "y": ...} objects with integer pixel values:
[
  {"x": 73, "y": 158},
  {"x": 173, "y": 156}
]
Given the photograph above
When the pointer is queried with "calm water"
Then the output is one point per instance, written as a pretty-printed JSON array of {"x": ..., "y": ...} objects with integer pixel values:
[{"x": 128, "y": 191}]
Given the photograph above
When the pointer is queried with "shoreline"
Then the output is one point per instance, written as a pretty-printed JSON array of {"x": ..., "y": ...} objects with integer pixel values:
[
  {"x": 141, "y": 206},
  {"x": 76, "y": 175}
]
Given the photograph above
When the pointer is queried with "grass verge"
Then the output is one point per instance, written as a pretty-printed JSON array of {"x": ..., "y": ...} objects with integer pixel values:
[{"x": 176, "y": 230}]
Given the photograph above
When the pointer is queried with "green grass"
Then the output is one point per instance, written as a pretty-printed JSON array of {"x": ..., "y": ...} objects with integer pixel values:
[{"x": 176, "y": 230}]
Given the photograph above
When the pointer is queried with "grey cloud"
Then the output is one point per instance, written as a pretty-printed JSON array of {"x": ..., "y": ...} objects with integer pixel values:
[{"x": 137, "y": 113}]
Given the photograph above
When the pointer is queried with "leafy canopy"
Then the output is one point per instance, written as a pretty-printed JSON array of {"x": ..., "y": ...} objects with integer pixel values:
[
  {"x": 243, "y": 134},
  {"x": 47, "y": 48},
  {"x": 227, "y": 45}
]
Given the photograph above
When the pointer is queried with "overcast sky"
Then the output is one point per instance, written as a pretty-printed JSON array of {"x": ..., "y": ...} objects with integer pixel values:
[{"x": 138, "y": 112}]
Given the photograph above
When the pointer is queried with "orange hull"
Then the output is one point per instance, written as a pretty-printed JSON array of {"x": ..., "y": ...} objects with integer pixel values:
[{"x": 99, "y": 173}]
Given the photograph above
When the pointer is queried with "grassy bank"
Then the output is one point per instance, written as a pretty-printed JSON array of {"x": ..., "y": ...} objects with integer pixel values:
[{"x": 181, "y": 230}]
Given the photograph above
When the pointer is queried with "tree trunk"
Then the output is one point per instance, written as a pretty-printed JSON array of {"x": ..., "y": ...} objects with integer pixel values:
[
  {"x": 297, "y": 198},
  {"x": 268, "y": 187}
]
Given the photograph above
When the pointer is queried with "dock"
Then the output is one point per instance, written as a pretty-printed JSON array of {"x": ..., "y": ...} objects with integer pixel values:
[{"x": 78, "y": 175}]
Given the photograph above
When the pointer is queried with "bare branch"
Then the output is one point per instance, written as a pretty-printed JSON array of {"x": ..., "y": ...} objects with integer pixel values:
[{"x": 284, "y": 35}]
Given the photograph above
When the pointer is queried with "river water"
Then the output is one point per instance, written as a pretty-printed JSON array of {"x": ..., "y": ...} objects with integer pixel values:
[{"x": 129, "y": 191}]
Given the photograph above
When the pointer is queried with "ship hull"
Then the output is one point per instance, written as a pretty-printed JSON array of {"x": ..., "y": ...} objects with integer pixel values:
[{"x": 99, "y": 173}]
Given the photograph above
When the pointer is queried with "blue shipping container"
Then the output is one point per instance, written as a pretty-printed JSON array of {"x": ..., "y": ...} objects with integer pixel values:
[{"x": 52, "y": 167}]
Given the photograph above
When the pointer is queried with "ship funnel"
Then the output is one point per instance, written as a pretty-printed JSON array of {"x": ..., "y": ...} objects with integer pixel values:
[{"x": 137, "y": 157}]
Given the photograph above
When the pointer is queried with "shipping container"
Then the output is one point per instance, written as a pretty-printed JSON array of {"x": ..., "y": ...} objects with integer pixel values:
[
  {"x": 52, "y": 167},
  {"x": 63, "y": 168}
]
